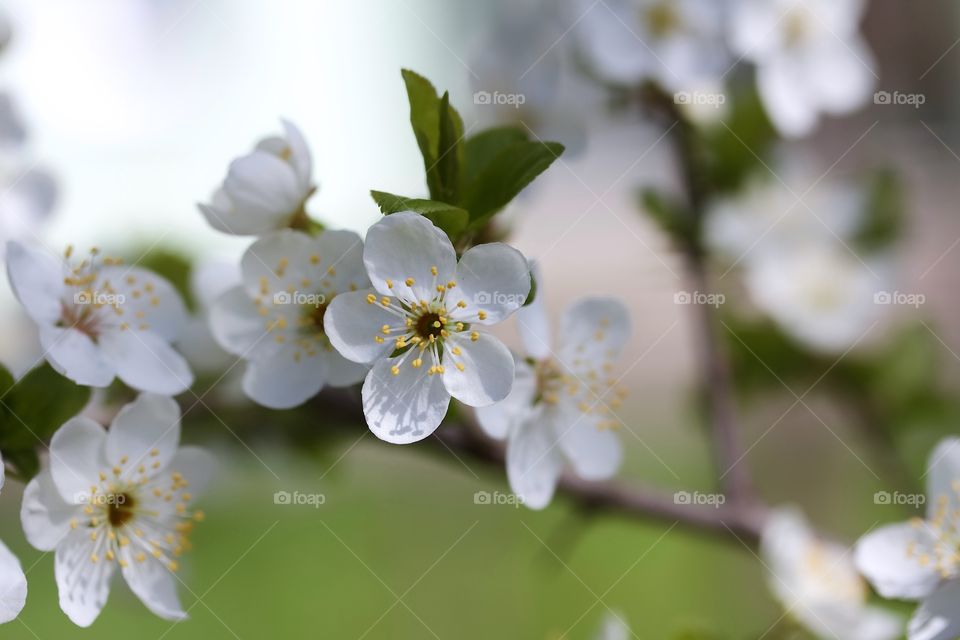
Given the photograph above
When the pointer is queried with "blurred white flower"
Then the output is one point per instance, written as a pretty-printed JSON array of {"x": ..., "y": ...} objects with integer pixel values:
[
  {"x": 817, "y": 583},
  {"x": 613, "y": 627},
  {"x": 809, "y": 55},
  {"x": 99, "y": 320},
  {"x": 275, "y": 319},
  {"x": 13, "y": 584},
  {"x": 117, "y": 499},
  {"x": 920, "y": 560},
  {"x": 208, "y": 281},
  {"x": 426, "y": 306},
  {"x": 822, "y": 295},
  {"x": 773, "y": 214},
  {"x": 677, "y": 43},
  {"x": 266, "y": 189},
  {"x": 558, "y": 411}
]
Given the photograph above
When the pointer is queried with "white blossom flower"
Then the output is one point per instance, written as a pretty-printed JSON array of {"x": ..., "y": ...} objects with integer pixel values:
[
  {"x": 678, "y": 43},
  {"x": 275, "y": 319},
  {"x": 559, "y": 411},
  {"x": 208, "y": 281},
  {"x": 817, "y": 583},
  {"x": 810, "y": 58},
  {"x": 266, "y": 189},
  {"x": 100, "y": 319},
  {"x": 117, "y": 499},
  {"x": 822, "y": 295},
  {"x": 919, "y": 560},
  {"x": 613, "y": 627},
  {"x": 13, "y": 584},
  {"x": 418, "y": 326}
]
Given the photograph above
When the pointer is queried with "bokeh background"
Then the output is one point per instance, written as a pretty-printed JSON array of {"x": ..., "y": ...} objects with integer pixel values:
[{"x": 137, "y": 106}]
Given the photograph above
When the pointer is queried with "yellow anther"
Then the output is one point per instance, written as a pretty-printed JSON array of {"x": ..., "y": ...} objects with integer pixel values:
[
  {"x": 416, "y": 363},
  {"x": 460, "y": 366},
  {"x": 433, "y": 270},
  {"x": 451, "y": 284},
  {"x": 389, "y": 283},
  {"x": 385, "y": 329},
  {"x": 461, "y": 304},
  {"x": 371, "y": 298},
  {"x": 474, "y": 336},
  {"x": 408, "y": 282},
  {"x": 378, "y": 339},
  {"x": 482, "y": 315},
  {"x": 395, "y": 370},
  {"x": 314, "y": 259}
]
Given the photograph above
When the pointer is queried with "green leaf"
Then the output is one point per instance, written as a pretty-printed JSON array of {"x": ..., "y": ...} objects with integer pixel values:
[
  {"x": 453, "y": 220},
  {"x": 38, "y": 405},
  {"x": 450, "y": 158},
  {"x": 533, "y": 289},
  {"x": 483, "y": 147},
  {"x": 733, "y": 150},
  {"x": 883, "y": 212},
  {"x": 25, "y": 461},
  {"x": 672, "y": 216},
  {"x": 511, "y": 169},
  {"x": 425, "y": 120}
]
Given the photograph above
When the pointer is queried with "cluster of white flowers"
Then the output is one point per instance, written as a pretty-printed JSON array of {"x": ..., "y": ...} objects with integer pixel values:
[
  {"x": 809, "y": 57},
  {"x": 13, "y": 584},
  {"x": 797, "y": 249}
]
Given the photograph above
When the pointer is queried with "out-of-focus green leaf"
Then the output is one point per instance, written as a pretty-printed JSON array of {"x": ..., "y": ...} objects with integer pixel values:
[
  {"x": 737, "y": 146},
  {"x": 511, "y": 169},
  {"x": 453, "y": 220},
  {"x": 483, "y": 147},
  {"x": 39, "y": 404},
  {"x": 672, "y": 216},
  {"x": 883, "y": 212}
]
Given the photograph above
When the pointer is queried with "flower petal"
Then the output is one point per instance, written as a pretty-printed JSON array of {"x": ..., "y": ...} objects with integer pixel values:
[
  {"x": 407, "y": 245},
  {"x": 498, "y": 419},
  {"x": 593, "y": 330},
  {"x": 13, "y": 585},
  {"x": 222, "y": 215},
  {"x": 146, "y": 362},
  {"x": 783, "y": 89},
  {"x": 146, "y": 430},
  {"x": 534, "y": 462},
  {"x": 74, "y": 355},
  {"x": 943, "y": 469},
  {"x": 238, "y": 327},
  {"x": 336, "y": 261},
  {"x": 481, "y": 374},
  {"x": 533, "y": 323},
  {"x": 273, "y": 264},
  {"x": 36, "y": 278},
  {"x": 594, "y": 451},
  {"x": 300, "y": 157},
  {"x": 938, "y": 618},
  {"x": 77, "y": 458},
  {"x": 841, "y": 74},
  {"x": 403, "y": 408},
  {"x": 884, "y": 557},
  {"x": 83, "y": 584},
  {"x": 197, "y": 467},
  {"x": 44, "y": 515},
  {"x": 341, "y": 372},
  {"x": 352, "y": 323},
  {"x": 491, "y": 278},
  {"x": 150, "y": 299},
  {"x": 261, "y": 185},
  {"x": 155, "y": 585},
  {"x": 281, "y": 381}
]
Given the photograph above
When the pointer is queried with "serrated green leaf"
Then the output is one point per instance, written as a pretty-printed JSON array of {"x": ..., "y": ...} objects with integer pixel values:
[
  {"x": 453, "y": 220},
  {"x": 40, "y": 403},
  {"x": 511, "y": 169},
  {"x": 482, "y": 148}
]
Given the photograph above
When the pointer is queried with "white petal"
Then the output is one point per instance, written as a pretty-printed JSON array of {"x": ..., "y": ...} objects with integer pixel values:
[
  {"x": 36, "y": 278},
  {"x": 275, "y": 260},
  {"x": 499, "y": 418},
  {"x": 341, "y": 372},
  {"x": 77, "y": 458},
  {"x": 282, "y": 382},
  {"x": 44, "y": 515},
  {"x": 223, "y": 216},
  {"x": 534, "y": 325},
  {"x": 299, "y": 154},
  {"x": 263, "y": 186},
  {"x": 407, "y": 245},
  {"x": 147, "y": 299},
  {"x": 210, "y": 280},
  {"x": 146, "y": 362},
  {"x": 591, "y": 330},
  {"x": 943, "y": 469},
  {"x": 487, "y": 374},
  {"x": 534, "y": 462},
  {"x": 239, "y": 328},
  {"x": 841, "y": 75},
  {"x": 74, "y": 355},
  {"x": 155, "y": 585},
  {"x": 339, "y": 261},
  {"x": 876, "y": 623},
  {"x": 491, "y": 278},
  {"x": 938, "y": 618},
  {"x": 783, "y": 89},
  {"x": 882, "y": 557},
  {"x": 403, "y": 408},
  {"x": 353, "y": 324},
  {"x": 594, "y": 452},
  {"x": 146, "y": 430},
  {"x": 83, "y": 584},
  {"x": 13, "y": 585},
  {"x": 197, "y": 466}
]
